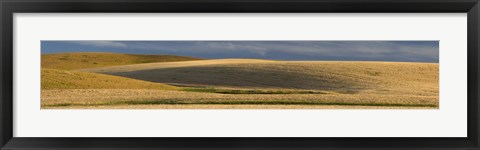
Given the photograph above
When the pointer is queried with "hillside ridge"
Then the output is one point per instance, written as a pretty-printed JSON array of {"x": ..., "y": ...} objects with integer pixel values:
[{"x": 81, "y": 60}]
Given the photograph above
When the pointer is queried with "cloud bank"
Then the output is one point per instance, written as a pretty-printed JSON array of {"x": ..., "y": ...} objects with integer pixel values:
[{"x": 410, "y": 51}]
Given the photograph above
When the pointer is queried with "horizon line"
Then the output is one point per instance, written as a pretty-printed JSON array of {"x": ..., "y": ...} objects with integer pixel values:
[{"x": 248, "y": 58}]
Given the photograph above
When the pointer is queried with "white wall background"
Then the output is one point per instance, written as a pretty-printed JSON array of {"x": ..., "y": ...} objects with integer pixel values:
[{"x": 448, "y": 121}]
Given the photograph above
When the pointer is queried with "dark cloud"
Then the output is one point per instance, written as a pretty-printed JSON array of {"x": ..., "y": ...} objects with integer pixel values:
[{"x": 415, "y": 51}]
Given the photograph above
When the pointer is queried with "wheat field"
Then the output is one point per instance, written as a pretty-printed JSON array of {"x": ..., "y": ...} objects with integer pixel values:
[
  {"x": 79, "y": 60},
  {"x": 116, "y": 97},
  {"x": 242, "y": 84}
]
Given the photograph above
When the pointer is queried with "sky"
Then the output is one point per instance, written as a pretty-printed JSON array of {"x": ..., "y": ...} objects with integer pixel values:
[{"x": 404, "y": 51}]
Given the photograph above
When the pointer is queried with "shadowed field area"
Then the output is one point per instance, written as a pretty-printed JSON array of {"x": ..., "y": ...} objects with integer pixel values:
[
  {"x": 242, "y": 84},
  {"x": 63, "y": 79}
]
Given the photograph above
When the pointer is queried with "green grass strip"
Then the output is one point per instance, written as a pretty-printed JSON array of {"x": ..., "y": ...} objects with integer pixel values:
[
  {"x": 234, "y": 91},
  {"x": 245, "y": 102}
]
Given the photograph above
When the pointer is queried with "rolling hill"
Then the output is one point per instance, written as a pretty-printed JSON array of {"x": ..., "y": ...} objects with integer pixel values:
[
  {"x": 109, "y": 80},
  {"x": 344, "y": 77},
  {"x": 79, "y": 60}
]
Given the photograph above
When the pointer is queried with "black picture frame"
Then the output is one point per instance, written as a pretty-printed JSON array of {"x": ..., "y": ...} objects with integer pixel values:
[{"x": 9, "y": 7}]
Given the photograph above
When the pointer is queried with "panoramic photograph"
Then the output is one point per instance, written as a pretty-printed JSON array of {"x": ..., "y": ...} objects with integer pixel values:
[{"x": 98, "y": 74}]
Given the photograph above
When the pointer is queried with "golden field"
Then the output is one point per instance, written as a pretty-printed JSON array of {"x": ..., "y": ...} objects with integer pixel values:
[
  {"x": 78, "y": 60},
  {"x": 240, "y": 84}
]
